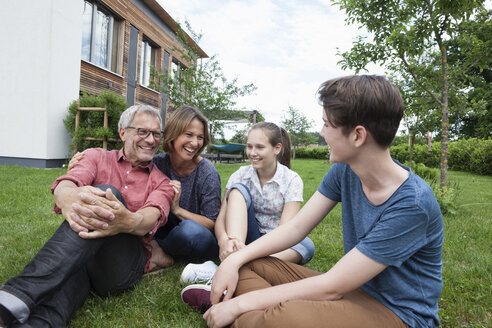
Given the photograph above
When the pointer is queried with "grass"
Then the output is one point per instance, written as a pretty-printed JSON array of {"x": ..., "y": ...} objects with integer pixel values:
[{"x": 26, "y": 222}]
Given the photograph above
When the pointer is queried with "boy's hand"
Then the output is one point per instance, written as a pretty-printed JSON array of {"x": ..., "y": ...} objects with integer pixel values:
[{"x": 221, "y": 314}]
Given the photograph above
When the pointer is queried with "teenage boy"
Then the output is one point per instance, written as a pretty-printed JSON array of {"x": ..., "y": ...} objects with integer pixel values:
[{"x": 391, "y": 273}]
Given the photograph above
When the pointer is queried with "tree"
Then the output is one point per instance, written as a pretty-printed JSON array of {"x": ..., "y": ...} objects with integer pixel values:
[
  {"x": 407, "y": 36},
  {"x": 475, "y": 116},
  {"x": 202, "y": 84},
  {"x": 421, "y": 112},
  {"x": 241, "y": 135},
  {"x": 317, "y": 136},
  {"x": 298, "y": 125}
]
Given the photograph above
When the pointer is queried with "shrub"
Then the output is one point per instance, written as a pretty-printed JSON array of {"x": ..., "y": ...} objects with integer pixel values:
[
  {"x": 425, "y": 172},
  {"x": 469, "y": 155},
  {"x": 446, "y": 197},
  {"x": 403, "y": 139},
  {"x": 312, "y": 152},
  {"x": 421, "y": 154},
  {"x": 91, "y": 123},
  {"x": 472, "y": 155}
]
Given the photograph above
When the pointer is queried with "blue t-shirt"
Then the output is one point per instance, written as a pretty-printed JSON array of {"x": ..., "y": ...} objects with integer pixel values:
[
  {"x": 200, "y": 190},
  {"x": 405, "y": 233}
]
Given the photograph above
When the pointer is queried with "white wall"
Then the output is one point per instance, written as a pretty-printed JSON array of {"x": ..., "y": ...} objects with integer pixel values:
[{"x": 39, "y": 76}]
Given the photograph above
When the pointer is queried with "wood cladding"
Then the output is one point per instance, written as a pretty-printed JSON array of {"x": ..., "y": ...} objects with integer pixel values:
[
  {"x": 148, "y": 97},
  {"x": 94, "y": 79}
]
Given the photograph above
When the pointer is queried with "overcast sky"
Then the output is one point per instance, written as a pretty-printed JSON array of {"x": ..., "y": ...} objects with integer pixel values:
[{"x": 287, "y": 48}]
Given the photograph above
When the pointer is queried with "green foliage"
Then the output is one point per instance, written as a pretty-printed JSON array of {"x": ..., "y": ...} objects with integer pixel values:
[
  {"x": 297, "y": 124},
  {"x": 240, "y": 136},
  {"x": 321, "y": 140},
  {"x": 476, "y": 111},
  {"x": 312, "y": 152},
  {"x": 468, "y": 155},
  {"x": 403, "y": 139},
  {"x": 421, "y": 154},
  {"x": 202, "y": 85},
  {"x": 412, "y": 38},
  {"x": 471, "y": 155},
  {"x": 426, "y": 173},
  {"x": 446, "y": 197},
  {"x": 91, "y": 123},
  {"x": 422, "y": 113}
]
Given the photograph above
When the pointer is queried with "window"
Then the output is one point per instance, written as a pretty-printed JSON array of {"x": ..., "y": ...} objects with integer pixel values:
[
  {"x": 100, "y": 36},
  {"x": 176, "y": 68},
  {"x": 148, "y": 58},
  {"x": 177, "y": 73}
]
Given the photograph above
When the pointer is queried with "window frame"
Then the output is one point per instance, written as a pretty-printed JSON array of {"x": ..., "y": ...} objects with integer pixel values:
[
  {"x": 177, "y": 68},
  {"x": 111, "y": 45},
  {"x": 149, "y": 55}
]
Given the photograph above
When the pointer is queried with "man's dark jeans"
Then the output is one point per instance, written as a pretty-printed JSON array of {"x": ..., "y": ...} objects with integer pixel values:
[{"x": 58, "y": 279}]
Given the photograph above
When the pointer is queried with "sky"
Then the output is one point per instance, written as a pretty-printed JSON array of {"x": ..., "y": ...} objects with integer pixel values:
[{"x": 287, "y": 48}]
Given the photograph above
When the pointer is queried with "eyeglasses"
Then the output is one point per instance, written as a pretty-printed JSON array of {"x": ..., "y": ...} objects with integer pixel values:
[{"x": 144, "y": 133}]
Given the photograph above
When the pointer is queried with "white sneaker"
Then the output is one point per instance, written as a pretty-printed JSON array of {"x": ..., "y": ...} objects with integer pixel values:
[{"x": 196, "y": 273}]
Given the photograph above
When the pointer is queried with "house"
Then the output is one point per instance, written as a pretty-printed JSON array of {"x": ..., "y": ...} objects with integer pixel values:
[{"x": 54, "y": 49}]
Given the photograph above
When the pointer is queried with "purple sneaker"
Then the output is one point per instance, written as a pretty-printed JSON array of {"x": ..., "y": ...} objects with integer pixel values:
[{"x": 197, "y": 296}]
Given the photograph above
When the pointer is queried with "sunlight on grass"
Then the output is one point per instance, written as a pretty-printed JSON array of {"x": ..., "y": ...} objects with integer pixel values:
[{"x": 27, "y": 221}]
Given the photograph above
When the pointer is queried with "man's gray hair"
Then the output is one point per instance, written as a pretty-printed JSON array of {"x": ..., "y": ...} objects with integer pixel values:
[{"x": 126, "y": 117}]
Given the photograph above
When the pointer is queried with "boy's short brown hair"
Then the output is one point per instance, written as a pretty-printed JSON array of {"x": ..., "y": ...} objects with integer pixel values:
[{"x": 367, "y": 100}]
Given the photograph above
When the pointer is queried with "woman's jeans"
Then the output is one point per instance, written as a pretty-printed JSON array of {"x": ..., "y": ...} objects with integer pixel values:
[
  {"x": 58, "y": 279},
  {"x": 305, "y": 248},
  {"x": 188, "y": 241}
]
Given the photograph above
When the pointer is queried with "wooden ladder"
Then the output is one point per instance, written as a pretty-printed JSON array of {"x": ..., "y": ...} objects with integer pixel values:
[{"x": 96, "y": 109}]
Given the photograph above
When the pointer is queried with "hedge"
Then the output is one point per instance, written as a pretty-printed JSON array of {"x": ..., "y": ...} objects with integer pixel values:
[
  {"x": 469, "y": 155},
  {"x": 310, "y": 152}
]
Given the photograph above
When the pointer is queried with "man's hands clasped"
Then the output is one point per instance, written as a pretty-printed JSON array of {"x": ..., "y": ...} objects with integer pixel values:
[{"x": 96, "y": 213}]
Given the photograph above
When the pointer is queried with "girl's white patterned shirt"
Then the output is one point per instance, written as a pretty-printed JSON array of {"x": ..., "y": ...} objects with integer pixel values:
[{"x": 285, "y": 186}]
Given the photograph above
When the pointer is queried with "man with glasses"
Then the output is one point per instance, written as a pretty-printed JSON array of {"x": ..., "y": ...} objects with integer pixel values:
[{"x": 112, "y": 203}]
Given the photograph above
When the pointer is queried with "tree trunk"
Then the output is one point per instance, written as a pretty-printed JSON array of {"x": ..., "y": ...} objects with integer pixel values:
[
  {"x": 445, "y": 120},
  {"x": 410, "y": 155}
]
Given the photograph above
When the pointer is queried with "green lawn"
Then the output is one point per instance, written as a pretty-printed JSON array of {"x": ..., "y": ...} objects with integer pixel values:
[{"x": 26, "y": 222}]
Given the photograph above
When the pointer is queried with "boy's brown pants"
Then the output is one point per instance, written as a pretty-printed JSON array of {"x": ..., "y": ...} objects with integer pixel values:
[{"x": 355, "y": 309}]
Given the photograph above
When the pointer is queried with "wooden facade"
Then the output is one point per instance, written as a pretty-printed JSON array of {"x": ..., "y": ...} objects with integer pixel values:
[{"x": 154, "y": 24}]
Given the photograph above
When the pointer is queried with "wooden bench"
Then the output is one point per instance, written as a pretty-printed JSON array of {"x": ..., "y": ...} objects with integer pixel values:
[
  {"x": 211, "y": 157},
  {"x": 224, "y": 158},
  {"x": 230, "y": 158}
]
